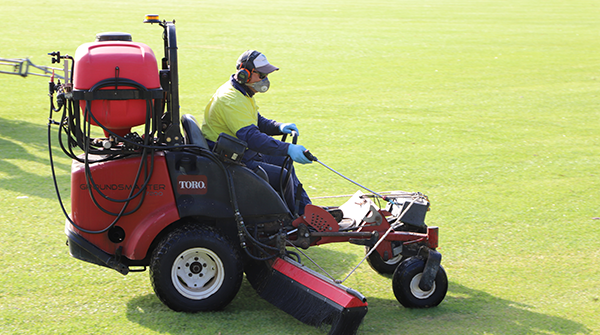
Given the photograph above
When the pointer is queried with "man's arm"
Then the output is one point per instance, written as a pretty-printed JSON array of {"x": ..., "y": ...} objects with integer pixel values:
[
  {"x": 272, "y": 127},
  {"x": 267, "y": 126},
  {"x": 261, "y": 142}
]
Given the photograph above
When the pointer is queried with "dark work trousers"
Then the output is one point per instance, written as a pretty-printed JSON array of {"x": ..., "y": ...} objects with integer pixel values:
[{"x": 272, "y": 165}]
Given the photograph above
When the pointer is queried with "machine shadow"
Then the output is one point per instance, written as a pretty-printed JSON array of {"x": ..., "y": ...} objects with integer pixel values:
[
  {"x": 468, "y": 311},
  {"x": 12, "y": 155},
  {"x": 464, "y": 311},
  {"x": 246, "y": 314}
]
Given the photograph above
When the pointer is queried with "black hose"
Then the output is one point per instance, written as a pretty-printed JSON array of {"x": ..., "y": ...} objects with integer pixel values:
[
  {"x": 242, "y": 229},
  {"x": 295, "y": 254},
  {"x": 89, "y": 178},
  {"x": 62, "y": 206},
  {"x": 287, "y": 165}
]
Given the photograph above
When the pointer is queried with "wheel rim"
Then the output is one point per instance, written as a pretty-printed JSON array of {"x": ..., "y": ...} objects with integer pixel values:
[
  {"x": 197, "y": 273},
  {"x": 416, "y": 290},
  {"x": 394, "y": 260}
]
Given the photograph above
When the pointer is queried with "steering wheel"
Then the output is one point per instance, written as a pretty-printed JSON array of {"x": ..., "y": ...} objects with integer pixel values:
[{"x": 294, "y": 137}]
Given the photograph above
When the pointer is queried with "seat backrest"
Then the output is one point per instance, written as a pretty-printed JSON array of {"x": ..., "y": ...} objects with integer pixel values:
[{"x": 192, "y": 132}]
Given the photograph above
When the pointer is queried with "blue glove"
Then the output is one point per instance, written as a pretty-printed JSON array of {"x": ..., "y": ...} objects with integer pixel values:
[
  {"x": 287, "y": 128},
  {"x": 297, "y": 154}
]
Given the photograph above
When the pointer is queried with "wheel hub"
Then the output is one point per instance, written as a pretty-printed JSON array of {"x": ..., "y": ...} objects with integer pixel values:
[
  {"x": 196, "y": 268},
  {"x": 197, "y": 273},
  {"x": 416, "y": 291}
]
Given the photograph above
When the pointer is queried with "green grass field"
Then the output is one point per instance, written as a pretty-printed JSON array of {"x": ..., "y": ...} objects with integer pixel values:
[{"x": 491, "y": 108}]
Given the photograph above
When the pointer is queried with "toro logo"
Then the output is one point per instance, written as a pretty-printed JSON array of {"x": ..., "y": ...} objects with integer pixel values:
[{"x": 191, "y": 184}]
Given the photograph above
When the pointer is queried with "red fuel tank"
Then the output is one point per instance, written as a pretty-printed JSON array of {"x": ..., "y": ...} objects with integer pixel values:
[{"x": 101, "y": 60}]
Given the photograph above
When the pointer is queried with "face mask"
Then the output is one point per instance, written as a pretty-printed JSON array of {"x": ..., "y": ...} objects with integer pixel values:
[{"x": 261, "y": 86}]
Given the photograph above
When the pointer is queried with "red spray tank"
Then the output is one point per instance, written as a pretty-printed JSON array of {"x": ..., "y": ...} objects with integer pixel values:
[{"x": 114, "y": 55}]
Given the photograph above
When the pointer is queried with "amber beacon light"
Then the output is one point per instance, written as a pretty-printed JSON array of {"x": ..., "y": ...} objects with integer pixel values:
[{"x": 152, "y": 18}]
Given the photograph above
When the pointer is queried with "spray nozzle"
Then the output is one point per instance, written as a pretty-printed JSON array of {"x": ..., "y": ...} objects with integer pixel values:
[{"x": 55, "y": 56}]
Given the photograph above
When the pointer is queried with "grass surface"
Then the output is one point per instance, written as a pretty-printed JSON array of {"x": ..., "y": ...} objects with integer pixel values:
[{"x": 491, "y": 108}]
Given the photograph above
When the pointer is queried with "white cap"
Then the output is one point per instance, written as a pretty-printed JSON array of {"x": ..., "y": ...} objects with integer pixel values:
[
  {"x": 260, "y": 62},
  {"x": 262, "y": 65}
]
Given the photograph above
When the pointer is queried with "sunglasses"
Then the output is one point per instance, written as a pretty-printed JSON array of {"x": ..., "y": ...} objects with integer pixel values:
[{"x": 262, "y": 75}]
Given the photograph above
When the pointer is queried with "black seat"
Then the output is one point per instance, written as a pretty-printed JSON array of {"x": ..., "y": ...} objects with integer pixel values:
[
  {"x": 193, "y": 135},
  {"x": 192, "y": 132}
]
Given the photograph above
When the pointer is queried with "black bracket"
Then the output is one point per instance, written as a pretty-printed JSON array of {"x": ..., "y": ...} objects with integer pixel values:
[{"x": 432, "y": 266}]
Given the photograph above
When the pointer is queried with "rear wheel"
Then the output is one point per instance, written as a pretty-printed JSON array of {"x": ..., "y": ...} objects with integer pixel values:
[
  {"x": 380, "y": 266},
  {"x": 195, "y": 269},
  {"x": 405, "y": 284}
]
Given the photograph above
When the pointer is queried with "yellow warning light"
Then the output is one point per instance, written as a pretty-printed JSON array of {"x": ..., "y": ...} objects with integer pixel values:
[{"x": 152, "y": 18}]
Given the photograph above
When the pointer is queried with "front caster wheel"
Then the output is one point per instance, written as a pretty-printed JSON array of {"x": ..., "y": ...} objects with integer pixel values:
[
  {"x": 195, "y": 269},
  {"x": 405, "y": 284}
]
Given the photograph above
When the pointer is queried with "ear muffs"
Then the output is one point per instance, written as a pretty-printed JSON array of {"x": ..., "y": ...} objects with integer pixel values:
[
  {"x": 243, "y": 76},
  {"x": 245, "y": 66}
]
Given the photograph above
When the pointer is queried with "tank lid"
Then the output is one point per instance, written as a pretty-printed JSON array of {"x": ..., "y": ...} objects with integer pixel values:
[{"x": 113, "y": 36}]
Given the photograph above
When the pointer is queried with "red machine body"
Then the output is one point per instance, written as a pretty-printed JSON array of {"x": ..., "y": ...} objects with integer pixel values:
[
  {"x": 115, "y": 180},
  {"x": 328, "y": 231},
  {"x": 98, "y": 61}
]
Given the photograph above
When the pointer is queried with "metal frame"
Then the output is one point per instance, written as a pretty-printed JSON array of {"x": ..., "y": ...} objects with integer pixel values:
[{"x": 23, "y": 68}]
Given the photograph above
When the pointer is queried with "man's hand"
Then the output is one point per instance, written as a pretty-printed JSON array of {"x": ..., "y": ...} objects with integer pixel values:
[
  {"x": 287, "y": 128},
  {"x": 297, "y": 154}
]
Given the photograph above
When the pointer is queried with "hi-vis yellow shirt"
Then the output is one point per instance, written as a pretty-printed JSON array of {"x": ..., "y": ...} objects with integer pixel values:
[{"x": 228, "y": 111}]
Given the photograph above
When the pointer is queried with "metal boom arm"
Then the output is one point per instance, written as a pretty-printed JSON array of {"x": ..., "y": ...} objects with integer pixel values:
[{"x": 23, "y": 68}]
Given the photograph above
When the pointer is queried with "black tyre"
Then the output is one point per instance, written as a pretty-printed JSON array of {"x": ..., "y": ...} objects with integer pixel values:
[
  {"x": 380, "y": 266},
  {"x": 195, "y": 269},
  {"x": 406, "y": 285}
]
